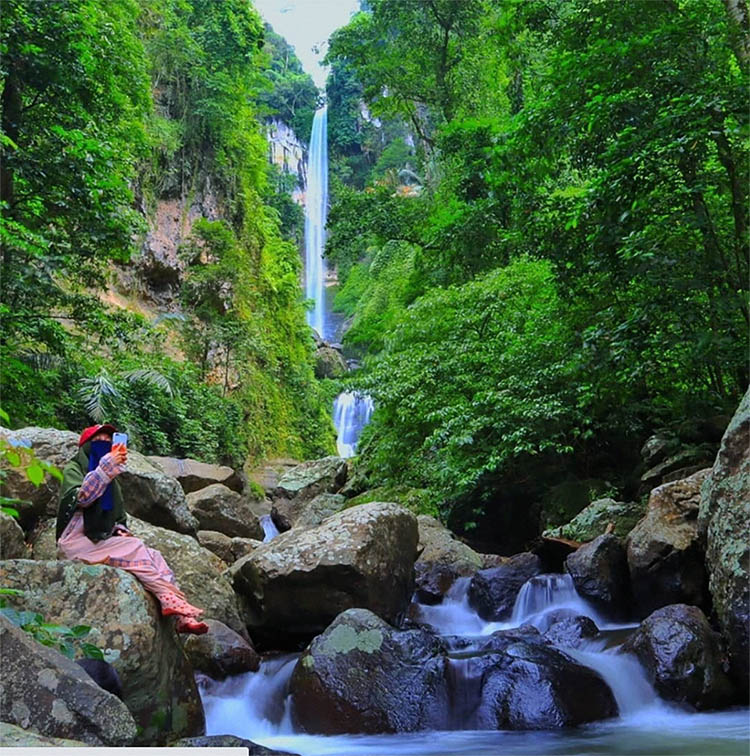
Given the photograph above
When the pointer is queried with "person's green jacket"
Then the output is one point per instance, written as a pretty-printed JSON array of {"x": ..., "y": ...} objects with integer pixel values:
[{"x": 98, "y": 524}]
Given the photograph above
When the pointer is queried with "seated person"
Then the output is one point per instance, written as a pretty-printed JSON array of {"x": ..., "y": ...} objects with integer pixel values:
[{"x": 91, "y": 525}]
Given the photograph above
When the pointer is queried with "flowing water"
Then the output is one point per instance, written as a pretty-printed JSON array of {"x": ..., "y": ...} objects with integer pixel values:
[
  {"x": 269, "y": 528},
  {"x": 257, "y": 706},
  {"x": 316, "y": 209},
  {"x": 351, "y": 412}
]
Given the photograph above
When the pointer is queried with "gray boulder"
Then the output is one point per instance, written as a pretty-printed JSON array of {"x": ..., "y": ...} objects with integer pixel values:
[
  {"x": 44, "y": 690},
  {"x": 193, "y": 475},
  {"x": 49, "y": 445},
  {"x": 600, "y": 574},
  {"x": 218, "y": 543},
  {"x": 217, "y": 507},
  {"x": 157, "y": 680},
  {"x": 296, "y": 584},
  {"x": 679, "y": 466},
  {"x": 724, "y": 522},
  {"x": 309, "y": 479},
  {"x": 12, "y": 736},
  {"x": 493, "y": 592},
  {"x": 329, "y": 363},
  {"x": 12, "y": 543},
  {"x": 594, "y": 520},
  {"x": 665, "y": 556},
  {"x": 306, "y": 513},
  {"x": 154, "y": 496},
  {"x": 221, "y": 652},
  {"x": 683, "y": 657},
  {"x": 267, "y": 474},
  {"x": 442, "y": 559},
  {"x": 199, "y": 572},
  {"x": 571, "y": 632},
  {"x": 362, "y": 675},
  {"x": 241, "y": 547}
]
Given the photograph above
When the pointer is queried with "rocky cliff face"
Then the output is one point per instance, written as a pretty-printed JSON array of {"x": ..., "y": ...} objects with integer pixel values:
[{"x": 289, "y": 154}]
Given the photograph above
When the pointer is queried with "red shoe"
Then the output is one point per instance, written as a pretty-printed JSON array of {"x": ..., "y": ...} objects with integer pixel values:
[{"x": 190, "y": 625}]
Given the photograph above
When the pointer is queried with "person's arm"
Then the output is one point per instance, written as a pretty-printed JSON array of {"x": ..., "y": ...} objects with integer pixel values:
[{"x": 97, "y": 480}]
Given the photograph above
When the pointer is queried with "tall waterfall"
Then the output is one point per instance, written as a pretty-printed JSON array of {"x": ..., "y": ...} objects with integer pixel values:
[
  {"x": 351, "y": 412},
  {"x": 316, "y": 206}
]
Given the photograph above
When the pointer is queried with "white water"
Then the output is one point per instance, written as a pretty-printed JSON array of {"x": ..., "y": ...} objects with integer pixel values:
[
  {"x": 351, "y": 412},
  {"x": 316, "y": 209},
  {"x": 269, "y": 529},
  {"x": 256, "y": 705}
]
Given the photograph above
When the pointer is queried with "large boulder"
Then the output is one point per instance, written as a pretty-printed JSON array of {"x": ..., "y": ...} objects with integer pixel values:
[
  {"x": 229, "y": 741},
  {"x": 362, "y": 675},
  {"x": 306, "y": 513},
  {"x": 442, "y": 559},
  {"x": 665, "y": 556},
  {"x": 218, "y": 543},
  {"x": 153, "y": 496},
  {"x": 193, "y": 475},
  {"x": 597, "y": 517},
  {"x": 48, "y": 692},
  {"x": 221, "y": 652},
  {"x": 683, "y": 657},
  {"x": 493, "y": 592},
  {"x": 12, "y": 736},
  {"x": 49, "y": 445},
  {"x": 526, "y": 684},
  {"x": 300, "y": 581},
  {"x": 199, "y": 572},
  {"x": 725, "y": 530},
  {"x": 217, "y": 507},
  {"x": 266, "y": 475},
  {"x": 157, "y": 680},
  {"x": 309, "y": 479},
  {"x": 681, "y": 465},
  {"x": 12, "y": 543},
  {"x": 329, "y": 363},
  {"x": 571, "y": 632},
  {"x": 600, "y": 574}
]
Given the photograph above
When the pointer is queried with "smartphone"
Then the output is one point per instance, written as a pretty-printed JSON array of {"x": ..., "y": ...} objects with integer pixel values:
[{"x": 120, "y": 439}]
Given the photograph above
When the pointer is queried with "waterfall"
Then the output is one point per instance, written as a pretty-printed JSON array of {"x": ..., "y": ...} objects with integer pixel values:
[
  {"x": 269, "y": 528},
  {"x": 316, "y": 207},
  {"x": 351, "y": 412}
]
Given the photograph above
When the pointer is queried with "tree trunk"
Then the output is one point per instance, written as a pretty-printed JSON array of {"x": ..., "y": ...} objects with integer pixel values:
[{"x": 739, "y": 30}]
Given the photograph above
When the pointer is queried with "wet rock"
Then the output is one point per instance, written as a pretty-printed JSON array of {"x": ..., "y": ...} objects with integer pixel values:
[
  {"x": 12, "y": 736},
  {"x": 683, "y": 657},
  {"x": 193, "y": 475},
  {"x": 493, "y": 592},
  {"x": 217, "y": 507},
  {"x": 528, "y": 685},
  {"x": 12, "y": 544},
  {"x": 152, "y": 495},
  {"x": 50, "y": 445},
  {"x": 363, "y": 676},
  {"x": 302, "y": 513},
  {"x": 218, "y": 543},
  {"x": 229, "y": 741},
  {"x": 157, "y": 680},
  {"x": 199, "y": 572},
  {"x": 329, "y": 363},
  {"x": 725, "y": 530},
  {"x": 600, "y": 574},
  {"x": 594, "y": 520},
  {"x": 44, "y": 690},
  {"x": 300, "y": 581},
  {"x": 309, "y": 479},
  {"x": 571, "y": 632},
  {"x": 442, "y": 559},
  {"x": 665, "y": 556},
  {"x": 221, "y": 652}
]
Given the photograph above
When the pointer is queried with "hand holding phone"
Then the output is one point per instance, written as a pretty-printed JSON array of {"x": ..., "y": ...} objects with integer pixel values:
[{"x": 120, "y": 447}]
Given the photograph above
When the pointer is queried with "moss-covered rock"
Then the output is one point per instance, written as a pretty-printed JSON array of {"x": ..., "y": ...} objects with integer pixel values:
[
  {"x": 12, "y": 736},
  {"x": 157, "y": 679},
  {"x": 724, "y": 522},
  {"x": 594, "y": 520}
]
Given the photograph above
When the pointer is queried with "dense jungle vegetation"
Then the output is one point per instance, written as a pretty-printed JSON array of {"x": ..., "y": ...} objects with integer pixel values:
[
  {"x": 109, "y": 108},
  {"x": 540, "y": 223}
]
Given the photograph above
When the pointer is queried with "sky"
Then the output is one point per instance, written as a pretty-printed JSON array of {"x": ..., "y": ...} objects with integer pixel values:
[{"x": 305, "y": 24}]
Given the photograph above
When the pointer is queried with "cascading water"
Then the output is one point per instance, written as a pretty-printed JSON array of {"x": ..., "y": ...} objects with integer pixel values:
[
  {"x": 257, "y": 705},
  {"x": 316, "y": 208},
  {"x": 351, "y": 412},
  {"x": 270, "y": 530}
]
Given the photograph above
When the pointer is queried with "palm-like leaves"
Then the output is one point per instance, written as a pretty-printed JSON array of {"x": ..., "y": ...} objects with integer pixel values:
[{"x": 98, "y": 393}]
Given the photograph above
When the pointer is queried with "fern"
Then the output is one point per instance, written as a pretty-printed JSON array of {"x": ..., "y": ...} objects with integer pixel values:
[{"x": 96, "y": 393}]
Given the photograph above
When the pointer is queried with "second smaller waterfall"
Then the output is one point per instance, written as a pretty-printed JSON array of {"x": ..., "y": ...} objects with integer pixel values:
[{"x": 351, "y": 412}]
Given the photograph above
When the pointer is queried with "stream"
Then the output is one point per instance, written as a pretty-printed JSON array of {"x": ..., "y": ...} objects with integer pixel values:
[{"x": 257, "y": 706}]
